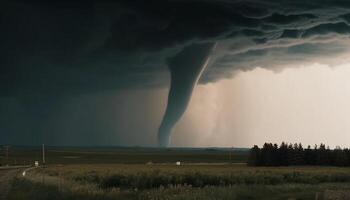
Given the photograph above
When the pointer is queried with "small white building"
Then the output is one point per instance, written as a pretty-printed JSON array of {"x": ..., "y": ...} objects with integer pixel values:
[
  {"x": 36, "y": 163},
  {"x": 178, "y": 163}
]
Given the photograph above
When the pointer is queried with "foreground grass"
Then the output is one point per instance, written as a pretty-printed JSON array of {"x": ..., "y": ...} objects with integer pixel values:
[
  {"x": 155, "y": 176},
  {"x": 120, "y": 181},
  {"x": 25, "y": 189}
]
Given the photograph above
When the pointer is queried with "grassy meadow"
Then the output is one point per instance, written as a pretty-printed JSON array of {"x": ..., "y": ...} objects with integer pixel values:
[
  {"x": 152, "y": 174},
  {"x": 119, "y": 155}
]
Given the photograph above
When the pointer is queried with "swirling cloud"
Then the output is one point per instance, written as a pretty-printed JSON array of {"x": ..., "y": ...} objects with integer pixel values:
[{"x": 75, "y": 46}]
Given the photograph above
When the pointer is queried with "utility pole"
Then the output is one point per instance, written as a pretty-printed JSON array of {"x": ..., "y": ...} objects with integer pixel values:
[
  {"x": 43, "y": 148},
  {"x": 7, "y": 154}
]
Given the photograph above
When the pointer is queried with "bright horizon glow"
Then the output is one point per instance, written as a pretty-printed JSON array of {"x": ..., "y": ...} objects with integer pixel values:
[{"x": 305, "y": 104}]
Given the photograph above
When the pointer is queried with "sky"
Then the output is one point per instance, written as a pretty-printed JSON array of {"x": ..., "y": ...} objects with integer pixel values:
[
  {"x": 173, "y": 72},
  {"x": 308, "y": 105}
]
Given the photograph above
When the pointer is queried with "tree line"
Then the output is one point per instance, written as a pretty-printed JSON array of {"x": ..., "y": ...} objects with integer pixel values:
[{"x": 294, "y": 154}]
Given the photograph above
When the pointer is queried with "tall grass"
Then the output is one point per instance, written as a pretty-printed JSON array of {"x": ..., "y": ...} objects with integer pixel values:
[
  {"x": 182, "y": 182},
  {"x": 26, "y": 190},
  {"x": 144, "y": 177},
  {"x": 23, "y": 189},
  {"x": 158, "y": 179}
]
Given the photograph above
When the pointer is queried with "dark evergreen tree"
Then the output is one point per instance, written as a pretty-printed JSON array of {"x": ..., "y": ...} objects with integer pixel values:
[
  {"x": 285, "y": 155},
  {"x": 340, "y": 158},
  {"x": 254, "y": 156}
]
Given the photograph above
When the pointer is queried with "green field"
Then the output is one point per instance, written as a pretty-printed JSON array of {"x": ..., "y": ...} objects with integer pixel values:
[
  {"x": 136, "y": 173},
  {"x": 114, "y": 155}
]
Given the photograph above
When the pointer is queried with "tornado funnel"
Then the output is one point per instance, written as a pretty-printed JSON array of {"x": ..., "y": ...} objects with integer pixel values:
[{"x": 186, "y": 68}]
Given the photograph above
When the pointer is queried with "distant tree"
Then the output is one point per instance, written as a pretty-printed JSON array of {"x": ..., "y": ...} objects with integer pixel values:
[
  {"x": 254, "y": 156},
  {"x": 288, "y": 154},
  {"x": 322, "y": 155},
  {"x": 283, "y": 153},
  {"x": 347, "y": 154},
  {"x": 267, "y": 154},
  {"x": 308, "y": 159},
  {"x": 291, "y": 155},
  {"x": 276, "y": 155},
  {"x": 298, "y": 154},
  {"x": 340, "y": 157}
]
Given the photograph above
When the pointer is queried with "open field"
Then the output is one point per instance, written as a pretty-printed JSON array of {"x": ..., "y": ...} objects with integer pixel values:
[
  {"x": 6, "y": 176},
  {"x": 152, "y": 174},
  {"x": 160, "y": 181},
  {"x": 113, "y": 155}
]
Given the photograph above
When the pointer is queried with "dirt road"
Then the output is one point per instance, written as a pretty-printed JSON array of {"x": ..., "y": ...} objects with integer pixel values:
[{"x": 6, "y": 175}]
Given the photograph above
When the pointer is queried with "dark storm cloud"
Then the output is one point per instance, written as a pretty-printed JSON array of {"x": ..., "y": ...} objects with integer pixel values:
[
  {"x": 53, "y": 50},
  {"x": 75, "y": 46}
]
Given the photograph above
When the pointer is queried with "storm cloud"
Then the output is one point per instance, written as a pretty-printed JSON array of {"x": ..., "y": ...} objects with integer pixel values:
[
  {"x": 50, "y": 50},
  {"x": 75, "y": 46}
]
